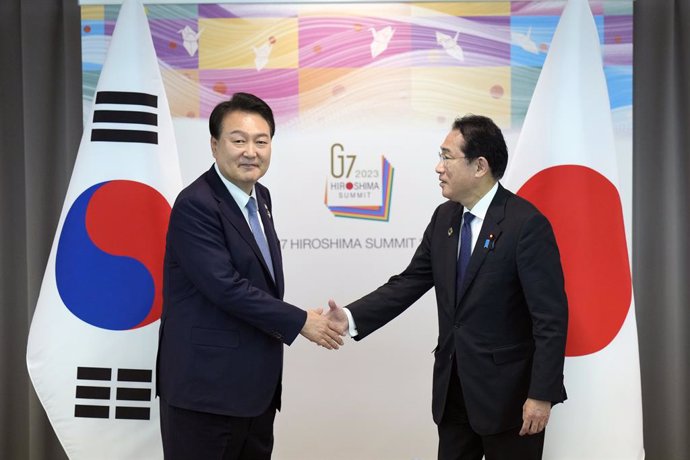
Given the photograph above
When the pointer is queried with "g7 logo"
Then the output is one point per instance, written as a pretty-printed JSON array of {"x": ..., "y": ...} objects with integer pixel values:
[{"x": 338, "y": 161}]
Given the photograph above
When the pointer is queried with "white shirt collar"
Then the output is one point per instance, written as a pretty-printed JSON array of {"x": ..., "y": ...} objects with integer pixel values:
[
  {"x": 480, "y": 209},
  {"x": 240, "y": 197}
]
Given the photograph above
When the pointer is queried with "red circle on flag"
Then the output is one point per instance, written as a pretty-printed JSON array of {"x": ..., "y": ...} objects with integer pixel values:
[
  {"x": 585, "y": 211},
  {"x": 349, "y": 186}
]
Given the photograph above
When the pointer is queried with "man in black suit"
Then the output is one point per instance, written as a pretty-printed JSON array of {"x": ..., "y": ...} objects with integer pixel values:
[
  {"x": 223, "y": 326},
  {"x": 502, "y": 308}
]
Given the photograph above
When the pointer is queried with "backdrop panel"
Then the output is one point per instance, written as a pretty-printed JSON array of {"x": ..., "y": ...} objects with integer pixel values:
[{"x": 364, "y": 94}]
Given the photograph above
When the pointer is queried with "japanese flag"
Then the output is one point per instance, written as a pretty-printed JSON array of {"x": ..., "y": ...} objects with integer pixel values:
[{"x": 565, "y": 163}]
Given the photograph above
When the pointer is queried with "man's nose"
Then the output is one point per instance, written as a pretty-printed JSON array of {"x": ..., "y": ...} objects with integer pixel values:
[
  {"x": 439, "y": 167},
  {"x": 250, "y": 150}
]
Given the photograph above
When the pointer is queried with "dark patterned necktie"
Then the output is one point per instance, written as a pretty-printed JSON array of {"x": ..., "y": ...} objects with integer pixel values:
[{"x": 465, "y": 249}]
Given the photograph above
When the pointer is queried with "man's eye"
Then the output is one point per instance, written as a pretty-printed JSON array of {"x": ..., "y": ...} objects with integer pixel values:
[{"x": 237, "y": 141}]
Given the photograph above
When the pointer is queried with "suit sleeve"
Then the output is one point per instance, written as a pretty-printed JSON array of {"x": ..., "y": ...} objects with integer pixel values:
[
  {"x": 541, "y": 277},
  {"x": 388, "y": 301},
  {"x": 197, "y": 241}
]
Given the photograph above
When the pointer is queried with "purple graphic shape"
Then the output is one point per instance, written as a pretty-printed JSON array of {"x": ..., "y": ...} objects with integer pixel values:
[
  {"x": 488, "y": 45},
  {"x": 169, "y": 43},
  {"x": 279, "y": 87},
  {"x": 346, "y": 41}
]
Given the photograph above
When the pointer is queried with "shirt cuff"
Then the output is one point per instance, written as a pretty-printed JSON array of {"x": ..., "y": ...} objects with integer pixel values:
[{"x": 352, "y": 330}]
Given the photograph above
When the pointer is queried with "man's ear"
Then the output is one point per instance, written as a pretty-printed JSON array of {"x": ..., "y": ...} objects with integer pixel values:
[
  {"x": 482, "y": 167},
  {"x": 214, "y": 145}
]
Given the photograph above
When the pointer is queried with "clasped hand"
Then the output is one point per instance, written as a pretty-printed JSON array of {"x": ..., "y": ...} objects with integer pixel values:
[{"x": 326, "y": 330}]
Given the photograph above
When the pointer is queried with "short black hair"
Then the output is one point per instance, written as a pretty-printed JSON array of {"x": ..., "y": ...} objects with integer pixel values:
[
  {"x": 482, "y": 138},
  {"x": 240, "y": 102}
]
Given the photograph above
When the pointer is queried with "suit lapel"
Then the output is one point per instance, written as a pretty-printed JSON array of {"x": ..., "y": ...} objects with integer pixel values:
[
  {"x": 450, "y": 253},
  {"x": 272, "y": 239},
  {"x": 488, "y": 235},
  {"x": 231, "y": 211}
]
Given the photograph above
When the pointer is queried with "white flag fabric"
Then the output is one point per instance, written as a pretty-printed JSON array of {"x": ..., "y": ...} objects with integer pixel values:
[
  {"x": 565, "y": 163},
  {"x": 93, "y": 339}
]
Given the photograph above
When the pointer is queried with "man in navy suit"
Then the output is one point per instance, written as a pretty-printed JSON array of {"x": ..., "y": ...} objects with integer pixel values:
[
  {"x": 224, "y": 323},
  {"x": 493, "y": 261}
]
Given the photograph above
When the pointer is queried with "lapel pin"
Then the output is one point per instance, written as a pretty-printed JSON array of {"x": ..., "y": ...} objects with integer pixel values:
[
  {"x": 450, "y": 231},
  {"x": 490, "y": 242},
  {"x": 267, "y": 211}
]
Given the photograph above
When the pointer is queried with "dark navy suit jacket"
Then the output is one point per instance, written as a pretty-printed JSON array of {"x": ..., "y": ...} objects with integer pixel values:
[
  {"x": 507, "y": 326},
  {"x": 224, "y": 323}
]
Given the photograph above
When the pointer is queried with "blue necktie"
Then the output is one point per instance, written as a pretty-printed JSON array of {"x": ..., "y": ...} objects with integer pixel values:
[
  {"x": 259, "y": 234},
  {"x": 465, "y": 249}
]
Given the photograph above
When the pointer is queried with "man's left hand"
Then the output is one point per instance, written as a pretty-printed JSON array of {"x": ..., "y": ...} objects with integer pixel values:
[{"x": 535, "y": 416}]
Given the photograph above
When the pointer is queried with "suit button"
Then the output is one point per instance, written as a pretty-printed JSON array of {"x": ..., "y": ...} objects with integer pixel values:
[{"x": 456, "y": 326}]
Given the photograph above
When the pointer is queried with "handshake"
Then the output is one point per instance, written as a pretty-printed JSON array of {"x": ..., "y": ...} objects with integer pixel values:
[{"x": 326, "y": 329}]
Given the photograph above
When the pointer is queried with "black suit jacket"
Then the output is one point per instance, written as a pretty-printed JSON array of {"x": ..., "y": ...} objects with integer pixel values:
[
  {"x": 224, "y": 322},
  {"x": 507, "y": 325}
]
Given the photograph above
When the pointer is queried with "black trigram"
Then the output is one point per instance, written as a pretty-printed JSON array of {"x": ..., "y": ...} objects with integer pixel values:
[
  {"x": 125, "y": 118},
  {"x": 128, "y": 389}
]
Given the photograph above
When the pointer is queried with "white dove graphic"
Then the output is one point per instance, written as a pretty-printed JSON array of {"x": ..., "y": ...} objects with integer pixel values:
[
  {"x": 190, "y": 39},
  {"x": 261, "y": 55},
  {"x": 450, "y": 45},
  {"x": 381, "y": 38},
  {"x": 525, "y": 41}
]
